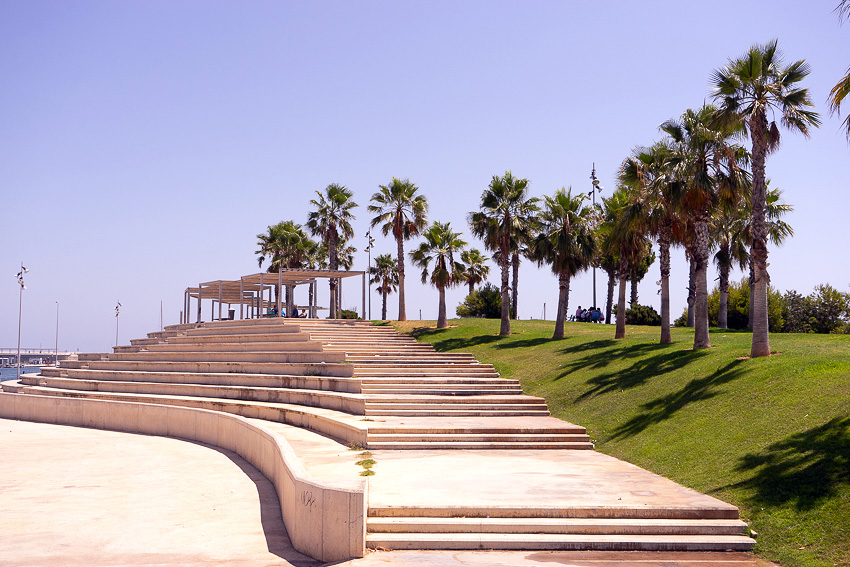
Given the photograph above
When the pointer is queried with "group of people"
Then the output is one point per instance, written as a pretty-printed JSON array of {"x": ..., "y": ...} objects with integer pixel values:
[
  {"x": 272, "y": 312},
  {"x": 592, "y": 315}
]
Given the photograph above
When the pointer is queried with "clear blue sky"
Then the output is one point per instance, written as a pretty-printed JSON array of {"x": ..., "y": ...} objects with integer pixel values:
[{"x": 144, "y": 145}]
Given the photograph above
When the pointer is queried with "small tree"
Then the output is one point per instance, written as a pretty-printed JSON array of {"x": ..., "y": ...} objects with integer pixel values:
[
  {"x": 436, "y": 257},
  {"x": 385, "y": 274},
  {"x": 483, "y": 302}
]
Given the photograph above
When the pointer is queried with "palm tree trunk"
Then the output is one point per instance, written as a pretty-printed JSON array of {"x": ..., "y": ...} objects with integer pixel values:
[
  {"x": 402, "y": 313},
  {"x": 471, "y": 287},
  {"x": 758, "y": 251},
  {"x": 384, "y": 306},
  {"x": 664, "y": 252},
  {"x": 723, "y": 309},
  {"x": 442, "y": 322},
  {"x": 563, "y": 299},
  {"x": 750, "y": 307},
  {"x": 332, "y": 282},
  {"x": 633, "y": 297},
  {"x": 505, "y": 264},
  {"x": 611, "y": 283},
  {"x": 515, "y": 267},
  {"x": 620, "y": 332},
  {"x": 691, "y": 290},
  {"x": 701, "y": 337}
]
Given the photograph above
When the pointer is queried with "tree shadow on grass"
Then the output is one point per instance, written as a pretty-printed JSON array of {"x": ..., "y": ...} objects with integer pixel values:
[
  {"x": 528, "y": 342},
  {"x": 663, "y": 408},
  {"x": 803, "y": 469},
  {"x": 638, "y": 373},
  {"x": 432, "y": 335}
]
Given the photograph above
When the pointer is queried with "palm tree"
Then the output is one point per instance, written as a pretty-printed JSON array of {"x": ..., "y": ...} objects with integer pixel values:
[
  {"x": 567, "y": 241},
  {"x": 399, "y": 210},
  {"x": 647, "y": 172},
  {"x": 706, "y": 163},
  {"x": 522, "y": 239},
  {"x": 441, "y": 246},
  {"x": 286, "y": 246},
  {"x": 623, "y": 232},
  {"x": 748, "y": 89},
  {"x": 476, "y": 269},
  {"x": 385, "y": 274},
  {"x": 728, "y": 235},
  {"x": 501, "y": 203},
  {"x": 842, "y": 87},
  {"x": 331, "y": 220}
]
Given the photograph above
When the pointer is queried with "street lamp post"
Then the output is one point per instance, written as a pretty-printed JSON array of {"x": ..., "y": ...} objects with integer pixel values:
[
  {"x": 20, "y": 276},
  {"x": 592, "y": 194},
  {"x": 368, "y": 274},
  {"x": 56, "y": 361},
  {"x": 117, "y": 311}
]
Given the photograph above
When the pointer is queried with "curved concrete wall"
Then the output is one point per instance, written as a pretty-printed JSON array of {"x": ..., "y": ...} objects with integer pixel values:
[{"x": 326, "y": 522}]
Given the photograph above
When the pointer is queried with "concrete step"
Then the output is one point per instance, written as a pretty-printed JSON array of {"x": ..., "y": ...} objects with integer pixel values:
[
  {"x": 434, "y": 381},
  {"x": 454, "y": 411},
  {"x": 638, "y": 512},
  {"x": 241, "y": 330},
  {"x": 249, "y": 346},
  {"x": 422, "y": 401},
  {"x": 240, "y": 356},
  {"x": 302, "y": 338},
  {"x": 326, "y": 383},
  {"x": 560, "y": 542},
  {"x": 492, "y": 391},
  {"x": 402, "y": 374},
  {"x": 345, "y": 370},
  {"x": 329, "y": 422},
  {"x": 344, "y": 402},
  {"x": 478, "y": 437},
  {"x": 594, "y": 526},
  {"x": 480, "y": 445}
]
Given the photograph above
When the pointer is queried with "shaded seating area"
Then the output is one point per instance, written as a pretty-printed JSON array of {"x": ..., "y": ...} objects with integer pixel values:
[{"x": 263, "y": 295}]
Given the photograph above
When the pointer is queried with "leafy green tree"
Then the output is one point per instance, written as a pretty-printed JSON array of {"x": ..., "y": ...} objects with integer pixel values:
[
  {"x": 436, "y": 258},
  {"x": 748, "y": 90},
  {"x": 385, "y": 274},
  {"x": 485, "y": 301},
  {"x": 331, "y": 220},
  {"x": 624, "y": 235},
  {"x": 708, "y": 166},
  {"x": 476, "y": 268},
  {"x": 648, "y": 171},
  {"x": 400, "y": 211},
  {"x": 501, "y": 204},
  {"x": 567, "y": 242}
]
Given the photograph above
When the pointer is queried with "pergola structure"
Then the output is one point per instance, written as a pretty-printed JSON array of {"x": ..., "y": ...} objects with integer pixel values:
[{"x": 256, "y": 293}]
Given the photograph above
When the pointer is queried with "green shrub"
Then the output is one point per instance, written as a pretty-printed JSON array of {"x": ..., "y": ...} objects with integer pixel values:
[
  {"x": 485, "y": 302},
  {"x": 348, "y": 314},
  {"x": 642, "y": 315},
  {"x": 826, "y": 310},
  {"x": 738, "y": 308}
]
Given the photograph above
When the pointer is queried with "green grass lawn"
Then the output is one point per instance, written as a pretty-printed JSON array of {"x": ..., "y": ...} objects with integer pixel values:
[{"x": 769, "y": 435}]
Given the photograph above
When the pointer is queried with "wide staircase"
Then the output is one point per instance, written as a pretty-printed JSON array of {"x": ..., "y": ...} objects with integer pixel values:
[{"x": 368, "y": 385}]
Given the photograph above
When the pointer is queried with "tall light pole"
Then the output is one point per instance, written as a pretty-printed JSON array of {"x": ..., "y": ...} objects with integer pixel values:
[
  {"x": 592, "y": 194},
  {"x": 117, "y": 311},
  {"x": 20, "y": 276},
  {"x": 368, "y": 272},
  {"x": 56, "y": 362}
]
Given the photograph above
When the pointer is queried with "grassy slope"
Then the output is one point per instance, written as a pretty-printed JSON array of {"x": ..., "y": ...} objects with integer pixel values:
[{"x": 770, "y": 435}]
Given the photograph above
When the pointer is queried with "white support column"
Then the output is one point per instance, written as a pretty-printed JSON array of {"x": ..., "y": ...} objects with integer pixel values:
[
  {"x": 363, "y": 289},
  {"x": 219, "y": 300},
  {"x": 241, "y": 299}
]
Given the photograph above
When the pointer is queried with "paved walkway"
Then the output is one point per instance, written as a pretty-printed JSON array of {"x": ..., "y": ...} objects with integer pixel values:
[{"x": 75, "y": 497}]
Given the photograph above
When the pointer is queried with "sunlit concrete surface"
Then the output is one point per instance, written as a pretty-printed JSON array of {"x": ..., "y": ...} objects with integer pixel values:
[{"x": 83, "y": 497}]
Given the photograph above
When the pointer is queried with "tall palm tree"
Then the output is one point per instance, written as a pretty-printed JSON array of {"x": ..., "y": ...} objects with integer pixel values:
[
  {"x": 476, "y": 268},
  {"x": 707, "y": 164},
  {"x": 496, "y": 223},
  {"x": 439, "y": 250},
  {"x": 331, "y": 220},
  {"x": 750, "y": 92},
  {"x": 648, "y": 172},
  {"x": 286, "y": 246},
  {"x": 842, "y": 87},
  {"x": 398, "y": 209},
  {"x": 385, "y": 274},
  {"x": 727, "y": 233},
  {"x": 623, "y": 233},
  {"x": 567, "y": 241},
  {"x": 522, "y": 240}
]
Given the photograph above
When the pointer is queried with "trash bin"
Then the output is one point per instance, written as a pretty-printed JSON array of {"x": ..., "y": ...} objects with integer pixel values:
[{"x": 231, "y": 313}]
